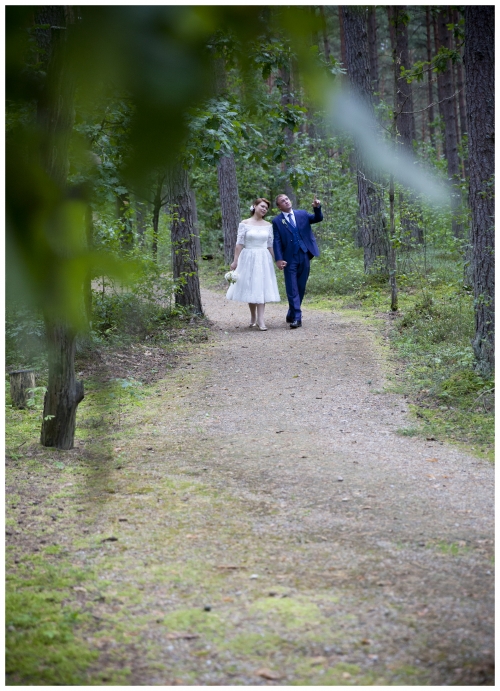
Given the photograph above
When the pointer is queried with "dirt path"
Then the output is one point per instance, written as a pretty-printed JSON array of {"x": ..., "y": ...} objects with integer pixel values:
[{"x": 271, "y": 527}]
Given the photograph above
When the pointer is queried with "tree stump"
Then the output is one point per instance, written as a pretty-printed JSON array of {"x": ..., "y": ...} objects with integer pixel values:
[{"x": 20, "y": 382}]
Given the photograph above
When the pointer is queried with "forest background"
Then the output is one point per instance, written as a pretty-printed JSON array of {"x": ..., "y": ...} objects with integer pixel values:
[{"x": 137, "y": 140}]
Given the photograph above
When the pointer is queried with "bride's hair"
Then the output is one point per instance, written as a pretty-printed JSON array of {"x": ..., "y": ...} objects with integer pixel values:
[{"x": 258, "y": 201}]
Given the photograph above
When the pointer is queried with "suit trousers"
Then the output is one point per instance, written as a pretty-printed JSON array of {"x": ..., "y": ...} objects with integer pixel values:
[{"x": 296, "y": 275}]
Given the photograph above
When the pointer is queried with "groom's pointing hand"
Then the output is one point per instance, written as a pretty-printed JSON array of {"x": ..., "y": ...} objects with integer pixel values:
[{"x": 316, "y": 201}]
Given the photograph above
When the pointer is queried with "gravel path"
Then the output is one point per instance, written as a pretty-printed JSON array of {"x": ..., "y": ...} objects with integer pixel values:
[{"x": 399, "y": 527}]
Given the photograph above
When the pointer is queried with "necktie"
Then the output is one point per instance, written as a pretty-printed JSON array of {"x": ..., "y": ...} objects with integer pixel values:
[{"x": 291, "y": 220}]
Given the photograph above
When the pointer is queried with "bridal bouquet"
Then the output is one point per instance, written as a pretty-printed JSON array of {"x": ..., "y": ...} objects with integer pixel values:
[{"x": 231, "y": 277}]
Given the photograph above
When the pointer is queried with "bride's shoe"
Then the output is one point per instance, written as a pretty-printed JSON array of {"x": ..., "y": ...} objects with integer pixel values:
[
  {"x": 250, "y": 326},
  {"x": 262, "y": 328}
]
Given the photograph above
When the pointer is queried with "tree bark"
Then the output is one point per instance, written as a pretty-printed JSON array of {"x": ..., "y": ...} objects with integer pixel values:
[
  {"x": 230, "y": 204},
  {"x": 287, "y": 100},
  {"x": 326, "y": 40},
  {"x": 226, "y": 176},
  {"x": 404, "y": 115},
  {"x": 126, "y": 229},
  {"x": 158, "y": 202},
  {"x": 479, "y": 59},
  {"x": 64, "y": 392},
  {"x": 373, "y": 49},
  {"x": 430, "y": 95},
  {"x": 55, "y": 114},
  {"x": 184, "y": 264},
  {"x": 20, "y": 383},
  {"x": 372, "y": 231},
  {"x": 450, "y": 125}
]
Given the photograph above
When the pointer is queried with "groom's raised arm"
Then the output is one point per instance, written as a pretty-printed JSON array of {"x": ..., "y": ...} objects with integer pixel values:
[{"x": 317, "y": 216}]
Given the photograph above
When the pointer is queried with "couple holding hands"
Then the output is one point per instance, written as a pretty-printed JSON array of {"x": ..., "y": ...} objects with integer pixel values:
[{"x": 289, "y": 240}]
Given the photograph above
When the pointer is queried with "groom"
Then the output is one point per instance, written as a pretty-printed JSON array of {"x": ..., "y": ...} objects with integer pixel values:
[{"x": 294, "y": 247}]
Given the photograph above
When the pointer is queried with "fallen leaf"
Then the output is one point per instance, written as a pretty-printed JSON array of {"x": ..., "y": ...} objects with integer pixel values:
[
  {"x": 229, "y": 567},
  {"x": 365, "y": 641},
  {"x": 118, "y": 448},
  {"x": 182, "y": 636},
  {"x": 79, "y": 589},
  {"x": 268, "y": 674},
  {"x": 432, "y": 460}
]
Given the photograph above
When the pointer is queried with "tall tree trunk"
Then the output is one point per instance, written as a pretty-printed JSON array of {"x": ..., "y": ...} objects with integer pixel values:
[
  {"x": 126, "y": 229},
  {"x": 343, "y": 56},
  {"x": 230, "y": 205},
  {"x": 430, "y": 96},
  {"x": 326, "y": 40},
  {"x": 64, "y": 392},
  {"x": 439, "y": 79},
  {"x": 184, "y": 263},
  {"x": 404, "y": 115},
  {"x": 372, "y": 231},
  {"x": 373, "y": 49},
  {"x": 158, "y": 202},
  {"x": 197, "y": 242},
  {"x": 479, "y": 62},
  {"x": 460, "y": 86},
  {"x": 141, "y": 211},
  {"x": 286, "y": 101},
  {"x": 450, "y": 129},
  {"x": 226, "y": 176},
  {"x": 55, "y": 114}
]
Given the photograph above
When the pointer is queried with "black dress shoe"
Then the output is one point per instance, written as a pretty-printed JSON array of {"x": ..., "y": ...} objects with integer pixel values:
[
  {"x": 295, "y": 324},
  {"x": 289, "y": 320}
]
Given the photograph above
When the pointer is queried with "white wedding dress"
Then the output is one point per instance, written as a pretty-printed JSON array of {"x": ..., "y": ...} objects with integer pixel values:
[{"x": 256, "y": 282}]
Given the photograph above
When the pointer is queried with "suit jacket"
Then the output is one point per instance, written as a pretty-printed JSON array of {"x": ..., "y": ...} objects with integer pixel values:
[{"x": 283, "y": 235}]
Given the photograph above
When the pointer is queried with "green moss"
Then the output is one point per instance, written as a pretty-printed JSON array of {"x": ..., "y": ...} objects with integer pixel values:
[
  {"x": 290, "y": 612},
  {"x": 195, "y": 620},
  {"x": 41, "y": 645},
  {"x": 255, "y": 644}
]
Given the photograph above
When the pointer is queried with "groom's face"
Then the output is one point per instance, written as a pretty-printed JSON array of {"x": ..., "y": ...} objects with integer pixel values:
[{"x": 284, "y": 204}]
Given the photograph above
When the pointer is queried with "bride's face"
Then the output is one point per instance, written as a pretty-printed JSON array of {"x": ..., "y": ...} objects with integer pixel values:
[{"x": 261, "y": 209}]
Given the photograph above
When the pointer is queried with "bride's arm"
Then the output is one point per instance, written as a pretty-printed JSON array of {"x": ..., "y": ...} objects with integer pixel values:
[{"x": 237, "y": 252}]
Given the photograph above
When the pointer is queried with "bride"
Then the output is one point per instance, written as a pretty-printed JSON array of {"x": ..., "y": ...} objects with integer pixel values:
[{"x": 254, "y": 257}]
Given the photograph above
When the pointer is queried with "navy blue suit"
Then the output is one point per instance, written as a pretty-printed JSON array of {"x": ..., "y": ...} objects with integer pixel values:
[{"x": 297, "y": 247}]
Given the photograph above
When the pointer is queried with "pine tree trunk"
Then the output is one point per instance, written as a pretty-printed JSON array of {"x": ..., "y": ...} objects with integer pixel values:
[
  {"x": 373, "y": 49},
  {"x": 230, "y": 204},
  {"x": 450, "y": 125},
  {"x": 326, "y": 41},
  {"x": 21, "y": 382},
  {"x": 55, "y": 114},
  {"x": 405, "y": 118},
  {"x": 372, "y": 231},
  {"x": 430, "y": 96},
  {"x": 184, "y": 264},
  {"x": 126, "y": 229},
  {"x": 479, "y": 62},
  {"x": 226, "y": 176},
  {"x": 64, "y": 392}
]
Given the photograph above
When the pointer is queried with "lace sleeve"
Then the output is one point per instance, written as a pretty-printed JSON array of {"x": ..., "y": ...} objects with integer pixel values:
[
  {"x": 270, "y": 238},
  {"x": 240, "y": 238}
]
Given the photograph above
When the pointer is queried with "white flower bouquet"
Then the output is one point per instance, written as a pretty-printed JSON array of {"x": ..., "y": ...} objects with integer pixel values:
[{"x": 231, "y": 277}]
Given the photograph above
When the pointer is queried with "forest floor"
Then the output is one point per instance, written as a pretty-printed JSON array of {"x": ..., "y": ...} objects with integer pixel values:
[{"x": 259, "y": 519}]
